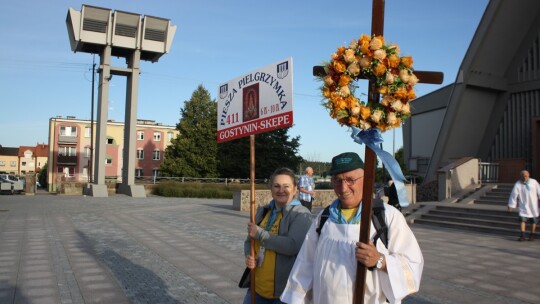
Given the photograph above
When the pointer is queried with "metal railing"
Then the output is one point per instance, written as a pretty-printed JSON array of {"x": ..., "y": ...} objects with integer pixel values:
[{"x": 489, "y": 172}]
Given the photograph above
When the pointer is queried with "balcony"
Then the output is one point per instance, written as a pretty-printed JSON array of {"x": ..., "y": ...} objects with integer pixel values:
[
  {"x": 65, "y": 139},
  {"x": 67, "y": 160}
]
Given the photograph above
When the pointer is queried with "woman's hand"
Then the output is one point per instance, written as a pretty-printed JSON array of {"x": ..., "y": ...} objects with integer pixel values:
[
  {"x": 251, "y": 262},
  {"x": 252, "y": 230}
]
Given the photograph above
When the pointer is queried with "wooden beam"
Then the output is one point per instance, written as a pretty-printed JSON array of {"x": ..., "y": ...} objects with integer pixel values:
[{"x": 423, "y": 76}]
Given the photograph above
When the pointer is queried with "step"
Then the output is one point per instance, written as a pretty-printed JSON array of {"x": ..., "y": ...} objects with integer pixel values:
[
  {"x": 470, "y": 221},
  {"x": 490, "y": 202},
  {"x": 507, "y": 218},
  {"x": 497, "y": 195},
  {"x": 473, "y": 210},
  {"x": 471, "y": 227}
]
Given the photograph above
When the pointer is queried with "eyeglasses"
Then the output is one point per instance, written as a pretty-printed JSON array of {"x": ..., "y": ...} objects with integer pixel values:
[{"x": 349, "y": 181}]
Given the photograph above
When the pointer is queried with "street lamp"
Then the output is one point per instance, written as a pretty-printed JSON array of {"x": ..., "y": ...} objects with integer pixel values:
[{"x": 101, "y": 31}]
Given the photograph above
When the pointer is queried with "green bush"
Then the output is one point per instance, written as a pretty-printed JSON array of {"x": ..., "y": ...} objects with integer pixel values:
[{"x": 199, "y": 190}]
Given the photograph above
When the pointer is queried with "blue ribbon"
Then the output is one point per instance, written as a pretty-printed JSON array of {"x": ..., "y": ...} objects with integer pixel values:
[{"x": 372, "y": 137}]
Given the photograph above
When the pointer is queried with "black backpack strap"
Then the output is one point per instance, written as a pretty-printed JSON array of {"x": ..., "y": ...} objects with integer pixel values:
[
  {"x": 324, "y": 216},
  {"x": 379, "y": 222}
]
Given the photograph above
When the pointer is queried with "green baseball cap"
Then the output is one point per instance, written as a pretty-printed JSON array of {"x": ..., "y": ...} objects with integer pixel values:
[{"x": 345, "y": 162}]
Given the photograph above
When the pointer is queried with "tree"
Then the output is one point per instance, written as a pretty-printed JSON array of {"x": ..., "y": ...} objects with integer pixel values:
[
  {"x": 194, "y": 152},
  {"x": 273, "y": 149}
]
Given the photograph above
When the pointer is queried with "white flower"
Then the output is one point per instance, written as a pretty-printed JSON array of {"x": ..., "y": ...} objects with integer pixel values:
[{"x": 376, "y": 116}]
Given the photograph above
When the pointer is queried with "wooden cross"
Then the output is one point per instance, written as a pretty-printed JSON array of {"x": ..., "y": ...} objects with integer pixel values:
[{"x": 377, "y": 26}]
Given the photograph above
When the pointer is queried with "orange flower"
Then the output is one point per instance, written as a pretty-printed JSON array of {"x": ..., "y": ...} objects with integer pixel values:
[
  {"x": 400, "y": 93},
  {"x": 341, "y": 50},
  {"x": 365, "y": 112},
  {"x": 353, "y": 121},
  {"x": 407, "y": 61},
  {"x": 351, "y": 102},
  {"x": 383, "y": 90},
  {"x": 339, "y": 66},
  {"x": 393, "y": 61},
  {"x": 344, "y": 80},
  {"x": 411, "y": 94},
  {"x": 379, "y": 69}
]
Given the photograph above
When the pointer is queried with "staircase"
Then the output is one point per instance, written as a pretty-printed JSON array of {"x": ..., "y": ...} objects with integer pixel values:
[
  {"x": 487, "y": 213},
  {"x": 497, "y": 196}
]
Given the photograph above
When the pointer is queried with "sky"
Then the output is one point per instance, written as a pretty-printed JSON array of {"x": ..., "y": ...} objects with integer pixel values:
[{"x": 216, "y": 41}]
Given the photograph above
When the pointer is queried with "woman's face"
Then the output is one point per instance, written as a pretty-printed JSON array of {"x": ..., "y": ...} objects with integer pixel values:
[{"x": 283, "y": 189}]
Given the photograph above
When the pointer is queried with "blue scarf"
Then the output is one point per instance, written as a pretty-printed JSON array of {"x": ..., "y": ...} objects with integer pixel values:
[
  {"x": 337, "y": 217},
  {"x": 526, "y": 183},
  {"x": 275, "y": 211}
]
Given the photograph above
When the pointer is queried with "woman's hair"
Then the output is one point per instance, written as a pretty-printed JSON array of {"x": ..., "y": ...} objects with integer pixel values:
[{"x": 282, "y": 171}]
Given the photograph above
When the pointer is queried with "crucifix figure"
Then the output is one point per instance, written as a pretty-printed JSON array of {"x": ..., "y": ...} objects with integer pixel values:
[{"x": 370, "y": 156}]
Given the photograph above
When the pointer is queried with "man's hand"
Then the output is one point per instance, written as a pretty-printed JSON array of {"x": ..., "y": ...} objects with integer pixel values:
[{"x": 367, "y": 254}]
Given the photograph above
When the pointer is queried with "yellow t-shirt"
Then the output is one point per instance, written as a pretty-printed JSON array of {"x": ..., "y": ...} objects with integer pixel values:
[
  {"x": 264, "y": 275},
  {"x": 349, "y": 213}
]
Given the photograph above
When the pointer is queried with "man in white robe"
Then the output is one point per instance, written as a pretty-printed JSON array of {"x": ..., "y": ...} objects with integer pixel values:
[
  {"x": 525, "y": 195},
  {"x": 325, "y": 269}
]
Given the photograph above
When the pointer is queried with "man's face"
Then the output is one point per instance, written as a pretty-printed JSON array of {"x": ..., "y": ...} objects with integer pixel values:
[
  {"x": 525, "y": 176},
  {"x": 348, "y": 187},
  {"x": 309, "y": 171}
]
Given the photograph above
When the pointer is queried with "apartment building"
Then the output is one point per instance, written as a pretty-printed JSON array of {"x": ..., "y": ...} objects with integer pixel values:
[
  {"x": 9, "y": 160},
  {"x": 24, "y": 159},
  {"x": 32, "y": 159},
  {"x": 71, "y": 149}
]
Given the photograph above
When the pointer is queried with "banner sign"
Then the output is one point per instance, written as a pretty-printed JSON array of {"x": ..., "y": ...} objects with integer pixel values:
[{"x": 256, "y": 102}]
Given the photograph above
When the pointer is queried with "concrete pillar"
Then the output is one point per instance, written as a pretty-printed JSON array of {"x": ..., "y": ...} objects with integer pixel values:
[{"x": 130, "y": 129}]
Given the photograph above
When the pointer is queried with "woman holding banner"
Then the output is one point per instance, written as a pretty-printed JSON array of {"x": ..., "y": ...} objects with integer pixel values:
[{"x": 279, "y": 231}]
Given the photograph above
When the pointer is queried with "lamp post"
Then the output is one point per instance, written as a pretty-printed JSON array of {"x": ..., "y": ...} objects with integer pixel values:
[{"x": 101, "y": 31}]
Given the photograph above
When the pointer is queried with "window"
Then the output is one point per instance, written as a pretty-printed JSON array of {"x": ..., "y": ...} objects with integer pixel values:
[
  {"x": 23, "y": 164},
  {"x": 156, "y": 173},
  {"x": 108, "y": 161},
  {"x": 157, "y": 136},
  {"x": 13, "y": 164},
  {"x": 87, "y": 131},
  {"x": 2, "y": 163},
  {"x": 86, "y": 151},
  {"x": 67, "y": 151},
  {"x": 138, "y": 172},
  {"x": 156, "y": 155},
  {"x": 170, "y": 135},
  {"x": 28, "y": 154},
  {"x": 140, "y": 135},
  {"x": 110, "y": 141},
  {"x": 68, "y": 131},
  {"x": 140, "y": 154}
]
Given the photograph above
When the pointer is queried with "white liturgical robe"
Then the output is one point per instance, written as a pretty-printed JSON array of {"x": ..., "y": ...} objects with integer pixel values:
[
  {"x": 325, "y": 269},
  {"x": 525, "y": 196}
]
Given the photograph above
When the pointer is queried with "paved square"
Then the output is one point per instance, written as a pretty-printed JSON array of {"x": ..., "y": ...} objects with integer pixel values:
[{"x": 75, "y": 249}]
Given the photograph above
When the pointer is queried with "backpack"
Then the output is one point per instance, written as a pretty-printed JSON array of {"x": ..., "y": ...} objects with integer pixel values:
[{"x": 377, "y": 217}]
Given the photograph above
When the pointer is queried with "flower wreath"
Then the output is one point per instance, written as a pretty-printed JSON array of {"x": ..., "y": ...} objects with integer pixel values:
[{"x": 371, "y": 58}]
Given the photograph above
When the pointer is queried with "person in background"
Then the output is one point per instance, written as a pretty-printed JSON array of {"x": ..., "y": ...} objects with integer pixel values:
[
  {"x": 525, "y": 196},
  {"x": 393, "y": 198},
  {"x": 279, "y": 234},
  {"x": 325, "y": 269},
  {"x": 306, "y": 188}
]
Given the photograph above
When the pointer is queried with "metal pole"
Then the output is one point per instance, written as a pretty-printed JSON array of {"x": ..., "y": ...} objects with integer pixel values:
[{"x": 90, "y": 165}]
